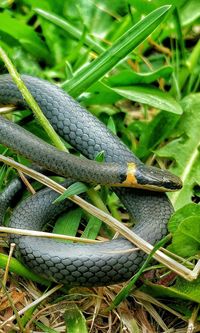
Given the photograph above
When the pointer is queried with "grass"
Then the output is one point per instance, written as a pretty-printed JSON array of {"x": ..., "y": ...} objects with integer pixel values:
[{"x": 145, "y": 90}]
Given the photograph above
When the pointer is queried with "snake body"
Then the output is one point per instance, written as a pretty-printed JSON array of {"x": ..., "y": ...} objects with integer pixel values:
[{"x": 75, "y": 264}]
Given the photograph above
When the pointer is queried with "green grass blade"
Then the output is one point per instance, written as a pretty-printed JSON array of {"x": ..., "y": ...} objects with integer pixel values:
[
  {"x": 31, "y": 101},
  {"x": 74, "y": 319},
  {"x": 193, "y": 59},
  {"x": 88, "y": 75},
  {"x": 92, "y": 229},
  {"x": 100, "y": 157},
  {"x": 27, "y": 315},
  {"x": 124, "y": 292},
  {"x": 2, "y": 175},
  {"x": 179, "y": 32},
  {"x": 16, "y": 267},
  {"x": 68, "y": 223},
  {"x": 74, "y": 189},
  {"x": 44, "y": 327},
  {"x": 70, "y": 29}
]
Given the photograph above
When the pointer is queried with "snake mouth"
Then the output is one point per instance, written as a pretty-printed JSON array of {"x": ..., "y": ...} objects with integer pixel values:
[
  {"x": 156, "y": 179},
  {"x": 151, "y": 178}
]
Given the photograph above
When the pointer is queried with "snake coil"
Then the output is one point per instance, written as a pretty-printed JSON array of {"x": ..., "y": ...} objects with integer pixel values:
[{"x": 75, "y": 264}]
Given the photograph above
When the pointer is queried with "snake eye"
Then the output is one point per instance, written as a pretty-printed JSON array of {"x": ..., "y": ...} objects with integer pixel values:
[{"x": 153, "y": 178}]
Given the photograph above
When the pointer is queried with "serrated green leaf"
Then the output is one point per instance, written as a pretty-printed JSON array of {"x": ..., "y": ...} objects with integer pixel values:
[
  {"x": 68, "y": 223},
  {"x": 74, "y": 189},
  {"x": 150, "y": 96},
  {"x": 189, "y": 210},
  {"x": 75, "y": 320},
  {"x": 184, "y": 150},
  {"x": 186, "y": 240},
  {"x": 127, "y": 77}
]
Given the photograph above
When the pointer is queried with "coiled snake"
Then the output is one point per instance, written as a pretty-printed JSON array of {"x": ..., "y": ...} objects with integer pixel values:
[{"x": 76, "y": 264}]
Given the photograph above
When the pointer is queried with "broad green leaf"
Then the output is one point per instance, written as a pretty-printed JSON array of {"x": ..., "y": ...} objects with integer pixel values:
[
  {"x": 150, "y": 96},
  {"x": 24, "y": 34},
  {"x": 184, "y": 150},
  {"x": 186, "y": 240},
  {"x": 154, "y": 132},
  {"x": 99, "y": 94},
  {"x": 127, "y": 77},
  {"x": 74, "y": 189},
  {"x": 182, "y": 289},
  {"x": 90, "y": 74},
  {"x": 68, "y": 223},
  {"x": 181, "y": 214},
  {"x": 74, "y": 320}
]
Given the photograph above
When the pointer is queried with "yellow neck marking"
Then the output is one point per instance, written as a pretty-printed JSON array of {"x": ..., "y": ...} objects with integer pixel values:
[{"x": 130, "y": 177}]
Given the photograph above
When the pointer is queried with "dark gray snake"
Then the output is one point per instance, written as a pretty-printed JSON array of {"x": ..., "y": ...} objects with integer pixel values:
[{"x": 75, "y": 264}]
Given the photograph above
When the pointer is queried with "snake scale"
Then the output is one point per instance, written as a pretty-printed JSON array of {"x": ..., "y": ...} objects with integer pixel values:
[{"x": 76, "y": 264}]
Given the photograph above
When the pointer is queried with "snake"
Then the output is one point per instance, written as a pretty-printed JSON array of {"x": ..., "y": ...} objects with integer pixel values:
[{"x": 139, "y": 187}]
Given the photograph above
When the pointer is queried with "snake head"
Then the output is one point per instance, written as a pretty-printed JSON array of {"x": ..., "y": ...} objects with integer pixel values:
[{"x": 151, "y": 178}]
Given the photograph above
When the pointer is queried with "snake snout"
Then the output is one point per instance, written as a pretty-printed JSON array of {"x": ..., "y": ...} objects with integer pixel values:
[{"x": 156, "y": 179}]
